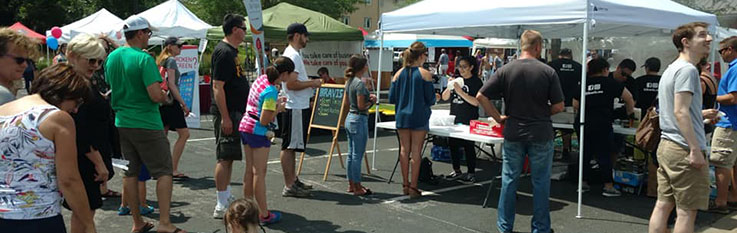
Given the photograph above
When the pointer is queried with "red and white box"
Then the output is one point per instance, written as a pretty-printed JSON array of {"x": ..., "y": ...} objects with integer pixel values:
[{"x": 486, "y": 128}]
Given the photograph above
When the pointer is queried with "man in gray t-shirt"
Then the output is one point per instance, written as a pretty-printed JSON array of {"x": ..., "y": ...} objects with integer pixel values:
[
  {"x": 683, "y": 175},
  {"x": 680, "y": 77}
]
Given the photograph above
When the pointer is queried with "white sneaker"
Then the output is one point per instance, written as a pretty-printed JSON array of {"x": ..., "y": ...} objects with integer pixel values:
[{"x": 218, "y": 213}]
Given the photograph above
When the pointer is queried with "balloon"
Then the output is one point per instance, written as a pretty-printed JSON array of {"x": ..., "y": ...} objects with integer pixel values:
[
  {"x": 52, "y": 43},
  {"x": 56, "y": 32}
]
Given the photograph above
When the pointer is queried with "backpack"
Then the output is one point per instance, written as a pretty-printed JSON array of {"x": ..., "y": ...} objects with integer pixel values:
[
  {"x": 647, "y": 135},
  {"x": 426, "y": 174}
]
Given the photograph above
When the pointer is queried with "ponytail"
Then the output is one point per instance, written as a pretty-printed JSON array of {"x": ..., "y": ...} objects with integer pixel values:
[
  {"x": 281, "y": 64},
  {"x": 355, "y": 63},
  {"x": 413, "y": 53}
]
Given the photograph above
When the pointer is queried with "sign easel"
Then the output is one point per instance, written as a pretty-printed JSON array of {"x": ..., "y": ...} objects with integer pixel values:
[{"x": 328, "y": 114}]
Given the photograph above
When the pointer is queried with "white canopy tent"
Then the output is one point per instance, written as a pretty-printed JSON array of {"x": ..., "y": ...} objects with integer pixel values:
[
  {"x": 495, "y": 43},
  {"x": 101, "y": 22},
  {"x": 553, "y": 18},
  {"x": 172, "y": 18}
]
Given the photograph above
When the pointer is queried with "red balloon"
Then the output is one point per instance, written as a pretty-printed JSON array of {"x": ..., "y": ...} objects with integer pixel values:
[{"x": 56, "y": 32}]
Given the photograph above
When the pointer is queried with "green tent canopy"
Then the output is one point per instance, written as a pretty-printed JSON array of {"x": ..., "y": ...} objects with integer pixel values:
[{"x": 277, "y": 18}]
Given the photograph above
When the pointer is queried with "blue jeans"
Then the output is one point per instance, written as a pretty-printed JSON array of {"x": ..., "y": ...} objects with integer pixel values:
[
  {"x": 541, "y": 161},
  {"x": 356, "y": 126}
]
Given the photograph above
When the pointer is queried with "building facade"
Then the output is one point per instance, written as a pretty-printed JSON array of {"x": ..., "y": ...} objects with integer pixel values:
[{"x": 367, "y": 14}]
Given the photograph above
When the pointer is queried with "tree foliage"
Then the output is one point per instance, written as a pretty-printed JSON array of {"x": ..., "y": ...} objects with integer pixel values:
[{"x": 41, "y": 15}]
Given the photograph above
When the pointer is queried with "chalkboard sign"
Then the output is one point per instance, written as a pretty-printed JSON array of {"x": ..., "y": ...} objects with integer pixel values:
[{"x": 328, "y": 106}]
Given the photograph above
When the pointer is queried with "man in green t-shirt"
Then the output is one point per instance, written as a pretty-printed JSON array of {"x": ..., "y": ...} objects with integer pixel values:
[{"x": 136, "y": 93}]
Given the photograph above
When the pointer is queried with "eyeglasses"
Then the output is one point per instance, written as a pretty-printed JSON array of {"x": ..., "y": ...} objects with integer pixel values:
[
  {"x": 722, "y": 50},
  {"x": 95, "y": 61},
  {"x": 18, "y": 60}
]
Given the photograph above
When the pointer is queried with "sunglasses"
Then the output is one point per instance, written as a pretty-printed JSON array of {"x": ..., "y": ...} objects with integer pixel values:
[
  {"x": 18, "y": 60},
  {"x": 148, "y": 32},
  {"x": 95, "y": 61},
  {"x": 242, "y": 27},
  {"x": 722, "y": 50}
]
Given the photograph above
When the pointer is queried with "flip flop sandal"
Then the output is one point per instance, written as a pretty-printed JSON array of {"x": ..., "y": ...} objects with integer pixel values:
[
  {"x": 146, "y": 228},
  {"x": 180, "y": 176},
  {"x": 111, "y": 193},
  {"x": 178, "y": 230}
]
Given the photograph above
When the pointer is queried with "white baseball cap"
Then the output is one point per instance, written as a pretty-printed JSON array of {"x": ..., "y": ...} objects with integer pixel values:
[{"x": 135, "y": 22}]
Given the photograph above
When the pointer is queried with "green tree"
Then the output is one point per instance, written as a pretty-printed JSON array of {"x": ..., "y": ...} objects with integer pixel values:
[{"x": 212, "y": 11}]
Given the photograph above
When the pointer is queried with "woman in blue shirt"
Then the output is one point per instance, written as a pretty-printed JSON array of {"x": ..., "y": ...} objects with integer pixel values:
[{"x": 413, "y": 93}]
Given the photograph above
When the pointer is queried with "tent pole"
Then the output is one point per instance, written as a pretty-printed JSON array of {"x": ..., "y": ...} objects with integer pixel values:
[
  {"x": 712, "y": 58},
  {"x": 378, "y": 98},
  {"x": 583, "y": 109}
]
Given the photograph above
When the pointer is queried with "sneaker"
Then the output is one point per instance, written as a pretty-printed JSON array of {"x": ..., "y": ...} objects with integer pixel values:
[
  {"x": 611, "y": 192},
  {"x": 585, "y": 187},
  {"x": 302, "y": 185},
  {"x": 124, "y": 211},
  {"x": 468, "y": 178},
  {"x": 732, "y": 205},
  {"x": 295, "y": 191},
  {"x": 717, "y": 209},
  {"x": 274, "y": 217},
  {"x": 454, "y": 175},
  {"x": 146, "y": 210},
  {"x": 219, "y": 212}
]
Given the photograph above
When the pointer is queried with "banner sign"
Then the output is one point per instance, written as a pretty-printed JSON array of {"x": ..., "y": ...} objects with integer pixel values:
[
  {"x": 333, "y": 55},
  {"x": 253, "y": 8},
  {"x": 188, "y": 64}
]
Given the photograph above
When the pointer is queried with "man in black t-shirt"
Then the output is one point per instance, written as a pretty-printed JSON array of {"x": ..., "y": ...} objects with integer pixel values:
[
  {"x": 532, "y": 93},
  {"x": 465, "y": 107},
  {"x": 569, "y": 72},
  {"x": 623, "y": 74},
  {"x": 598, "y": 134},
  {"x": 230, "y": 92},
  {"x": 646, "y": 86}
]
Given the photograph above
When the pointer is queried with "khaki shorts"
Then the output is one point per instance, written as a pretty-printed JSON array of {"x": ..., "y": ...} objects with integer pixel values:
[
  {"x": 723, "y": 144},
  {"x": 148, "y": 147},
  {"x": 678, "y": 182}
]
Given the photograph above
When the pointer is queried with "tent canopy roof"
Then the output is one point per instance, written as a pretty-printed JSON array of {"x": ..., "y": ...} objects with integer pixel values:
[
  {"x": 19, "y": 27},
  {"x": 277, "y": 18},
  {"x": 172, "y": 18},
  {"x": 101, "y": 22},
  {"x": 402, "y": 40},
  {"x": 553, "y": 18}
]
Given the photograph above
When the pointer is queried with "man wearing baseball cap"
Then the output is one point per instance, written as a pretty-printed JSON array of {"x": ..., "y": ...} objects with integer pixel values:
[
  {"x": 646, "y": 86},
  {"x": 135, "y": 96},
  {"x": 296, "y": 119}
]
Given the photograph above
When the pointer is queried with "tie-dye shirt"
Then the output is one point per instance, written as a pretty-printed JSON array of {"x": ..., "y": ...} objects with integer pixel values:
[
  {"x": 28, "y": 186},
  {"x": 262, "y": 96}
]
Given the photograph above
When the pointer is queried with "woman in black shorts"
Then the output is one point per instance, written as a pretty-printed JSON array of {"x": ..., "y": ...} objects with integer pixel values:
[{"x": 172, "y": 115}]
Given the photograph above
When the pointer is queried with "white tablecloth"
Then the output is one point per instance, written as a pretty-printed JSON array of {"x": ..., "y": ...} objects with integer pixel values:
[
  {"x": 455, "y": 131},
  {"x": 618, "y": 129}
]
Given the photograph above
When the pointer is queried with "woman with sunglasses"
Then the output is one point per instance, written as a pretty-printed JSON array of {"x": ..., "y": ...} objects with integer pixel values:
[
  {"x": 15, "y": 50},
  {"x": 413, "y": 93},
  {"x": 172, "y": 115},
  {"x": 85, "y": 53},
  {"x": 39, "y": 160}
]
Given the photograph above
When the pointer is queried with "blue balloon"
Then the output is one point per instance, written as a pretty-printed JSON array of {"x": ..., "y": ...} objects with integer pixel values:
[{"x": 52, "y": 43}]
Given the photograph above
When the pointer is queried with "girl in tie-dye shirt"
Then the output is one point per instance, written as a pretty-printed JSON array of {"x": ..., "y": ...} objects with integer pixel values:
[{"x": 263, "y": 105}]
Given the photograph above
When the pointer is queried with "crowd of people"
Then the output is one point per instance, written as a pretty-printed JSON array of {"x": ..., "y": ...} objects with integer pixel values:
[{"x": 99, "y": 101}]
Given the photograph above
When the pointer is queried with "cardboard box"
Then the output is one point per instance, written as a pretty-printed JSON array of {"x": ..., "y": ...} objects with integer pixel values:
[
  {"x": 481, "y": 127},
  {"x": 486, "y": 128},
  {"x": 628, "y": 178}
]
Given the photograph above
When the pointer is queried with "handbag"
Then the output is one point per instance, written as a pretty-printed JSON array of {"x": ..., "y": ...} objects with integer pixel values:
[
  {"x": 165, "y": 85},
  {"x": 647, "y": 135}
]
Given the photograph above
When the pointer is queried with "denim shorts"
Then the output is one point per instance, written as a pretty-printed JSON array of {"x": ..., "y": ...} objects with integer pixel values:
[{"x": 255, "y": 141}]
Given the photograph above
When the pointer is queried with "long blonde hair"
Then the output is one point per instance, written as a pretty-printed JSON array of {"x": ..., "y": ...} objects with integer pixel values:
[{"x": 165, "y": 54}]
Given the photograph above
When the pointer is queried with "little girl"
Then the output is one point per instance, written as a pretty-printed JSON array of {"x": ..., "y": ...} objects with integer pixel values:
[{"x": 242, "y": 217}]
